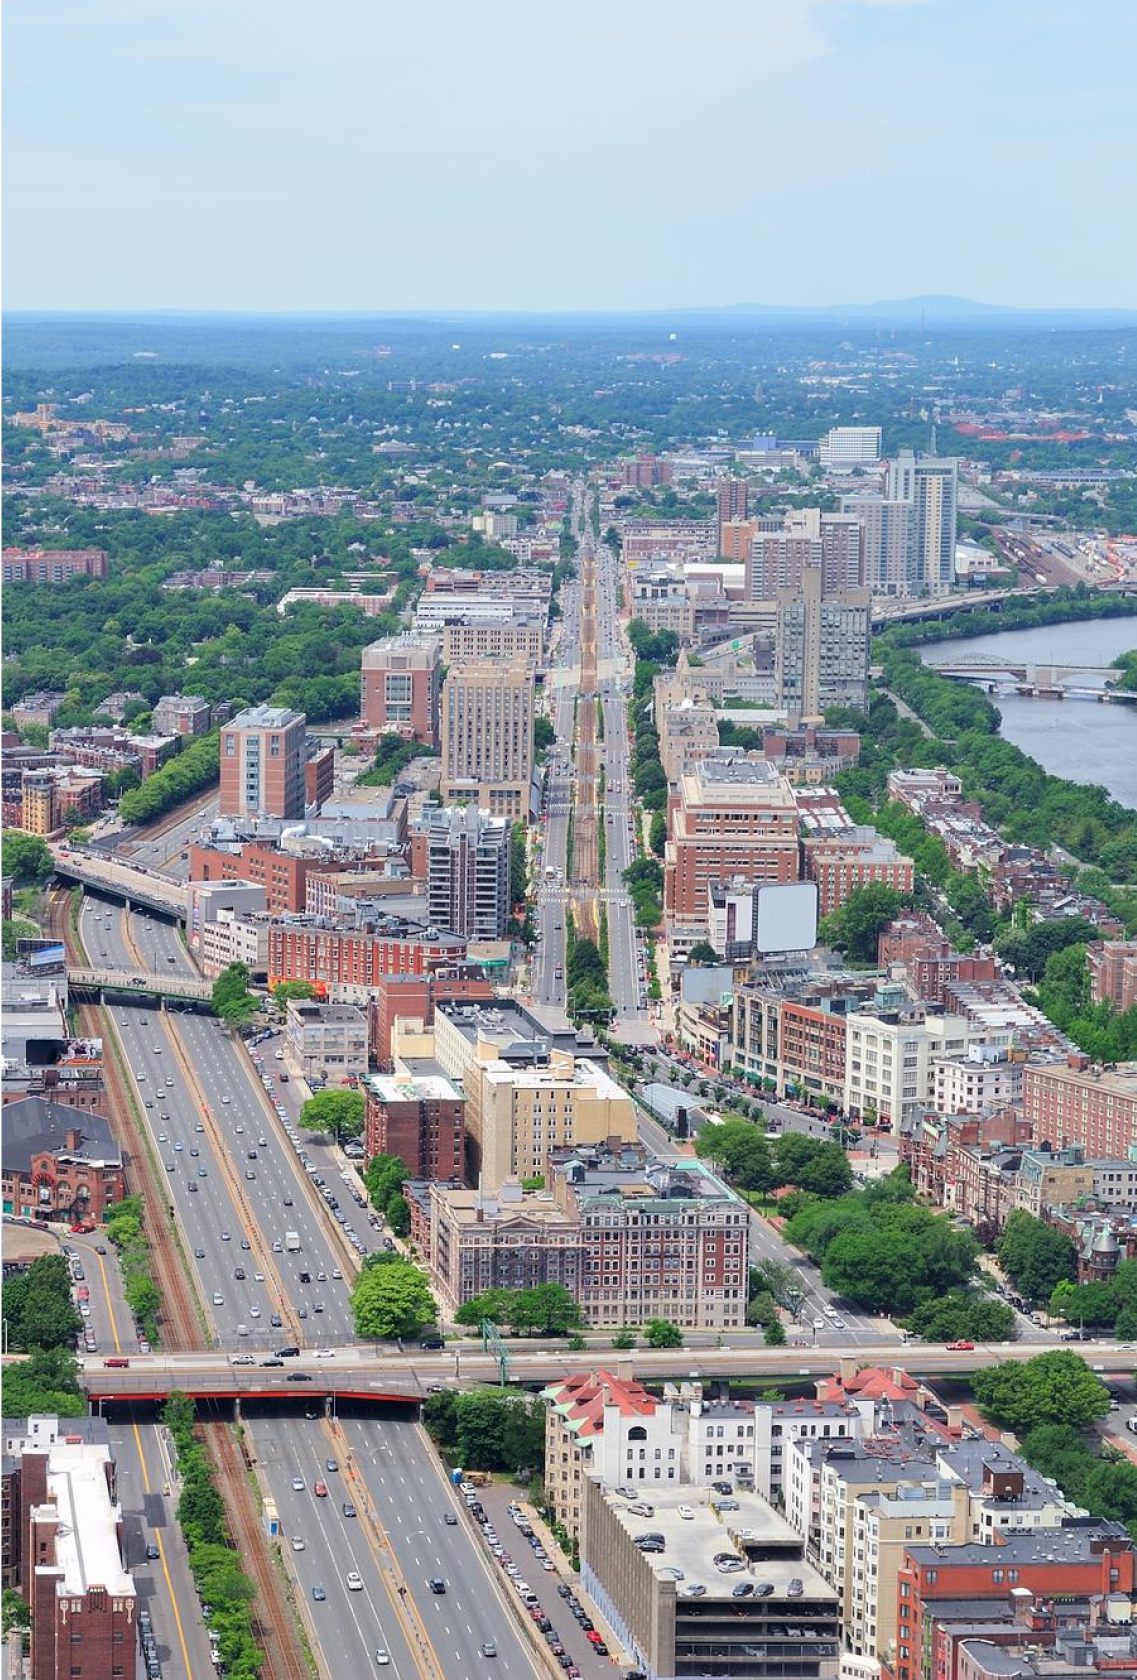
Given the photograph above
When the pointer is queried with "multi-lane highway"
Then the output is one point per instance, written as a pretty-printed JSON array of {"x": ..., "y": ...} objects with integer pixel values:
[{"x": 397, "y": 1466}]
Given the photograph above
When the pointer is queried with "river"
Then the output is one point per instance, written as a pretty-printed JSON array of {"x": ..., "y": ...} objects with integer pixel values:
[{"x": 1079, "y": 740}]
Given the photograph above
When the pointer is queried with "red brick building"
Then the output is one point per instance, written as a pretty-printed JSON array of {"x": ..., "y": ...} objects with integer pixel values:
[
  {"x": 413, "y": 997},
  {"x": 856, "y": 858},
  {"x": 401, "y": 686},
  {"x": 1080, "y": 1102},
  {"x": 1113, "y": 972},
  {"x": 59, "y": 1162},
  {"x": 283, "y": 877},
  {"x": 915, "y": 942},
  {"x": 53, "y": 565},
  {"x": 319, "y": 776},
  {"x": 734, "y": 816},
  {"x": 422, "y": 1120},
  {"x": 1075, "y": 1561},
  {"x": 262, "y": 763},
  {"x": 342, "y": 961}
]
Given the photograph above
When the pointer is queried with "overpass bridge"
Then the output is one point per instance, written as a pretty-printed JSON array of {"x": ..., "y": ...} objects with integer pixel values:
[
  {"x": 375, "y": 1373},
  {"x": 133, "y": 885},
  {"x": 137, "y": 983},
  {"x": 1053, "y": 681}
]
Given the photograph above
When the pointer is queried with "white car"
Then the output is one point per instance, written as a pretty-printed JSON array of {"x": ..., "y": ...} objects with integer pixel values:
[
  {"x": 354, "y": 1581},
  {"x": 685, "y": 1512},
  {"x": 297, "y": 1543},
  {"x": 325, "y": 1353},
  {"x": 382, "y": 1658}
]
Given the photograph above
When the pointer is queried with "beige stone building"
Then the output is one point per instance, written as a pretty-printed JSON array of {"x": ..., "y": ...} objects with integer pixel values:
[{"x": 487, "y": 736}]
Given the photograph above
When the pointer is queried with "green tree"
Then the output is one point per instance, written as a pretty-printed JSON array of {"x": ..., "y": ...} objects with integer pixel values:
[
  {"x": 544, "y": 735},
  {"x": 741, "y": 1149},
  {"x": 548, "y": 1310},
  {"x": 14, "y": 1613},
  {"x": 657, "y": 833},
  {"x": 702, "y": 954},
  {"x": 774, "y": 1335},
  {"x": 231, "y": 998},
  {"x": 661, "y": 1333},
  {"x": 384, "y": 1178},
  {"x": 26, "y": 858},
  {"x": 622, "y": 1340},
  {"x": 338, "y": 1112},
  {"x": 392, "y": 1300},
  {"x": 301, "y": 990},
  {"x": 781, "y": 1281},
  {"x": 494, "y": 1304},
  {"x": 856, "y": 926},
  {"x": 1055, "y": 1387},
  {"x": 878, "y": 1269},
  {"x": 47, "y": 1381},
  {"x": 964, "y": 1315},
  {"x": 1035, "y": 1256}
]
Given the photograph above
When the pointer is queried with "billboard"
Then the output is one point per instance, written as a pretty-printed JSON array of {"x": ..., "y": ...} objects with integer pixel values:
[{"x": 786, "y": 918}]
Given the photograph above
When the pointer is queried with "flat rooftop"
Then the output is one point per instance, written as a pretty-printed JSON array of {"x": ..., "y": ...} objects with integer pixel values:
[
  {"x": 86, "y": 1544},
  {"x": 755, "y": 1531},
  {"x": 421, "y": 1086}
]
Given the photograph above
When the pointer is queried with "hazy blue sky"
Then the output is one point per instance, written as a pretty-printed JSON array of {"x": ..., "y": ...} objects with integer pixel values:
[{"x": 580, "y": 154}]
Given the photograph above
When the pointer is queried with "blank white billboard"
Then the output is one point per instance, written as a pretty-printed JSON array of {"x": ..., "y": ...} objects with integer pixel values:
[{"x": 787, "y": 918}]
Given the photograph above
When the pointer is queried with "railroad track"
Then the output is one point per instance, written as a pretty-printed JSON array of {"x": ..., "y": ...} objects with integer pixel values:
[{"x": 273, "y": 1619}]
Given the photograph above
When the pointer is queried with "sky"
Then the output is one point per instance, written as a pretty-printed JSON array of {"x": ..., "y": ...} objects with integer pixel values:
[{"x": 385, "y": 155}]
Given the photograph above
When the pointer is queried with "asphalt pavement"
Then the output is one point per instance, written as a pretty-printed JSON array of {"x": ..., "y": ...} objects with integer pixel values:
[{"x": 402, "y": 1475}]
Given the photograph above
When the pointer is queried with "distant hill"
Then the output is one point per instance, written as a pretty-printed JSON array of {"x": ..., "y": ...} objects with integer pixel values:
[{"x": 937, "y": 307}]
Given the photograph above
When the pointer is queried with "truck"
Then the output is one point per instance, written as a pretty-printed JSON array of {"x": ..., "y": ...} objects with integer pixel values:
[{"x": 291, "y": 1241}]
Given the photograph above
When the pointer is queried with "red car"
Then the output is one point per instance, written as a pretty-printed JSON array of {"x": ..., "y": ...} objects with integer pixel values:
[
  {"x": 961, "y": 1347},
  {"x": 320, "y": 1489},
  {"x": 82, "y": 1227}
]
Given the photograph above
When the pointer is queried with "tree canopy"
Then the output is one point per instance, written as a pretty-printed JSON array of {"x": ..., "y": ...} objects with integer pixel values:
[
  {"x": 392, "y": 1300},
  {"x": 1035, "y": 1256},
  {"x": 338, "y": 1112},
  {"x": 1056, "y": 1387}
]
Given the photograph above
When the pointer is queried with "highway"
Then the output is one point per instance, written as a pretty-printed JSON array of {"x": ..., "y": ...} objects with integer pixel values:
[
  {"x": 347, "y": 1626},
  {"x": 165, "y": 1585},
  {"x": 398, "y": 1466}
]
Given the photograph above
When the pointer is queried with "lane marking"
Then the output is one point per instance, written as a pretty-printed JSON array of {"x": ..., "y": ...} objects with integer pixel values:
[{"x": 162, "y": 1554}]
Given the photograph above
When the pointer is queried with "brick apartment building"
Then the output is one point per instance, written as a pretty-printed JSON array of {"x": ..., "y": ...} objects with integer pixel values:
[
  {"x": 346, "y": 963},
  {"x": 916, "y": 943},
  {"x": 420, "y": 1119},
  {"x": 414, "y": 996},
  {"x": 734, "y": 815},
  {"x": 319, "y": 776},
  {"x": 53, "y": 565},
  {"x": 262, "y": 763},
  {"x": 283, "y": 876},
  {"x": 1078, "y": 1102},
  {"x": 181, "y": 714},
  {"x": 1076, "y": 1561},
  {"x": 61, "y": 1477},
  {"x": 854, "y": 858},
  {"x": 1113, "y": 972}
]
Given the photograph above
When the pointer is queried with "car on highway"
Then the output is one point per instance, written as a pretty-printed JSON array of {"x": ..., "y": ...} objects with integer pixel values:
[
  {"x": 244, "y": 1359},
  {"x": 348, "y": 1508},
  {"x": 382, "y": 1658},
  {"x": 298, "y": 1484},
  {"x": 297, "y": 1539},
  {"x": 320, "y": 1488},
  {"x": 961, "y": 1347},
  {"x": 437, "y": 1584},
  {"x": 318, "y": 1593},
  {"x": 354, "y": 1580}
]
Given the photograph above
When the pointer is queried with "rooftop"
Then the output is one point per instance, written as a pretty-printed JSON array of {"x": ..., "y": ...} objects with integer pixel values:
[
  {"x": 265, "y": 717},
  {"x": 34, "y": 1126},
  {"x": 86, "y": 1541},
  {"x": 420, "y": 1087},
  {"x": 582, "y": 1399},
  {"x": 691, "y": 1543},
  {"x": 1076, "y": 1542}
]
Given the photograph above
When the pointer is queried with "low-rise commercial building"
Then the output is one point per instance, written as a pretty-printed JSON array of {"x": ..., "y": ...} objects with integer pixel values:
[{"x": 327, "y": 1041}]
